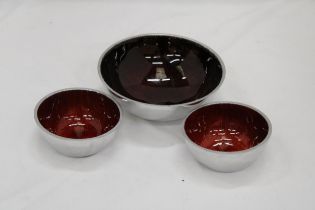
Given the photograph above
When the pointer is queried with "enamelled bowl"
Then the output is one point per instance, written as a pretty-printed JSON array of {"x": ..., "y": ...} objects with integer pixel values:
[
  {"x": 160, "y": 77},
  {"x": 226, "y": 136},
  {"x": 77, "y": 122}
]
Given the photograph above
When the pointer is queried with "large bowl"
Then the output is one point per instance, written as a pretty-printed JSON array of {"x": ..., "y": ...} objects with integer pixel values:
[
  {"x": 77, "y": 122},
  {"x": 160, "y": 77},
  {"x": 227, "y": 136}
]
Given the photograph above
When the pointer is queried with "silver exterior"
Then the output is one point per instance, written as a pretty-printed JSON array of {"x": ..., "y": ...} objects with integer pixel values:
[
  {"x": 156, "y": 112},
  {"x": 76, "y": 147},
  {"x": 219, "y": 161},
  {"x": 153, "y": 111},
  {"x": 228, "y": 161}
]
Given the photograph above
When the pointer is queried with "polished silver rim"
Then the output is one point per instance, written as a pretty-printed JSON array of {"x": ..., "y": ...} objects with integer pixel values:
[
  {"x": 264, "y": 141},
  {"x": 96, "y": 138},
  {"x": 167, "y": 35}
]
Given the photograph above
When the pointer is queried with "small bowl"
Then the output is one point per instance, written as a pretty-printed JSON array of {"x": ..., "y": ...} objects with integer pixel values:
[
  {"x": 77, "y": 122},
  {"x": 160, "y": 77},
  {"x": 226, "y": 137}
]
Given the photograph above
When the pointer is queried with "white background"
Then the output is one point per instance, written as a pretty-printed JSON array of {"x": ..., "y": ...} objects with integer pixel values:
[{"x": 269, "y": 51}]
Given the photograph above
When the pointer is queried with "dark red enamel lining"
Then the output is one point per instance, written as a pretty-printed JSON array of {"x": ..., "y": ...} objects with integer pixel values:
[
  {"x": 78, "y": 114},
  {"x": 161, "y": 70},
  {"x": 226, "y": 127}
]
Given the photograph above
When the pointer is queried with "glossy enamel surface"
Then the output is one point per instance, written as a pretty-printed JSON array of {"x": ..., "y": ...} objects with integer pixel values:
[
  {"x": 160, "y": 77},
  {"x": 226, "y": 137},
  {"x": 77, "y": 122},
  {"x": 226, "y": 127},
  {"x": 78, "y": 114},
  {"x": 161, "y": 70}
]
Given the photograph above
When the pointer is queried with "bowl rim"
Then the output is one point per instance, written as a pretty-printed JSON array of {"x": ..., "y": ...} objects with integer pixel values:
[
  {"x": 261, "y": 144},
  {"x": 95, "y": 138},
  {"x": 125, "y": 98}
]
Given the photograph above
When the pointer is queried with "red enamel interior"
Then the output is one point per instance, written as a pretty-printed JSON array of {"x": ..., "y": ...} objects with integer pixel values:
[
  {"x": 226, "y": 127},
  {"x": 161, "y": 70},
  {"x": 78, "y": 114}
]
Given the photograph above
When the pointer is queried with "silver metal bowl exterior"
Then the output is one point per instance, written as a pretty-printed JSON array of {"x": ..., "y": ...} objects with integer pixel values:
[
  {"x": 156, "y": 112},
  {"x": 153, "y": 111},
  {"x": 227, "y": 161},
  {"x": 76, "y": 147}
]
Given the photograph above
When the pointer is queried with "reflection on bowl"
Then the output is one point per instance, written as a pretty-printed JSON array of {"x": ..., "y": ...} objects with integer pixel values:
[
  {"x": 77, "y": 122},
  {"x": 226, "y": 136},
  {"x": 154, "y": 71}
]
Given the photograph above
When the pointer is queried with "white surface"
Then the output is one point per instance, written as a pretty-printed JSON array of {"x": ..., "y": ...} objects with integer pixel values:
[{"x": 268, "y": 48}]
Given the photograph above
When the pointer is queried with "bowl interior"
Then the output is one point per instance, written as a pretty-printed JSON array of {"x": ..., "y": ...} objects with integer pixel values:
[
  {"x": 78, "y": 114},
  {"x": 226, "y": 127},
  {"x": 161, "y": 70}
]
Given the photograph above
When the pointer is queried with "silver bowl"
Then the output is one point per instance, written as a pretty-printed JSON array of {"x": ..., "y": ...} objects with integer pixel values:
[
  {"x": 126, "y": 70},
  {"x": 224, "y": 140},
  {"x": 91, "y": 134}
]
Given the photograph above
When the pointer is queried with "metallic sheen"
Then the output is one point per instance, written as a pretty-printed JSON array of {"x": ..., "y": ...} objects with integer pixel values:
[
  {"x": 168, "y": 109},
  {"x": 228, "y": 160},
  {"x": 75, "y": 147}
]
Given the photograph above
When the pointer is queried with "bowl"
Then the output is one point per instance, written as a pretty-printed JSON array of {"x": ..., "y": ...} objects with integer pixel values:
[
  {"x": 226, "y": 136},
  {"x": 160, "y": 77},
  {"x": 77, "y": 122}
]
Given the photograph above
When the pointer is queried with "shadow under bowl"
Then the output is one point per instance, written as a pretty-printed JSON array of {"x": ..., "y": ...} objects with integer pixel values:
[
  {"x": 227, "y": 136},
  {"x": 77, "y": 122},
  {"x": 148, "y": 73}
]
